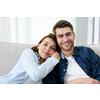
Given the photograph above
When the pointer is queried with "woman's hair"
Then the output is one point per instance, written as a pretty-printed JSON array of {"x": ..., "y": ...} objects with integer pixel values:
[
  {"x": 52, "y": 36},
  {"x": 62, "y": 24}
]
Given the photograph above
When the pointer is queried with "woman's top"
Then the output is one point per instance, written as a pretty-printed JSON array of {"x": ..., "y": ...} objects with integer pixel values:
[{"x": 28, "y": 69}]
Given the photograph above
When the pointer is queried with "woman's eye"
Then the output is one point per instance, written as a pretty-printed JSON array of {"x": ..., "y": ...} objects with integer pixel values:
[
  {"x": 45, "y": 44},
  {"x": 52, "y": 48}
]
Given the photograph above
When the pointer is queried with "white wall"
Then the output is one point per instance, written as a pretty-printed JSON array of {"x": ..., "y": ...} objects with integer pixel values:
[
  {"x": 1, "y": 29},
  {"x": 93, "y": 30},
  {"x": 90, "y": 31},
  {"x": 31, "y": 29},
  {"x": 5, "y": 29},
  {"x": 81, "y": 30},
  {"x": 27, "y": 29},
  {"x": 41, "y": 26},
  {"x": 96, "y": 30}
]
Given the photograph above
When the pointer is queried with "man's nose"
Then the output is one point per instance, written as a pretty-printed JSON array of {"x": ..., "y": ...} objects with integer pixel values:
[{"x": 65, "y": 39}]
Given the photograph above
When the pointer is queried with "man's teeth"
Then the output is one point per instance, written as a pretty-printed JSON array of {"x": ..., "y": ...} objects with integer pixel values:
[{"x": 66, "y": 43}]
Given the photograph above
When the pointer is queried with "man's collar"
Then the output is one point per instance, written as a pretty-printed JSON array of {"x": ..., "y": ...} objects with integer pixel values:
[{"x": 74, "y": 53}]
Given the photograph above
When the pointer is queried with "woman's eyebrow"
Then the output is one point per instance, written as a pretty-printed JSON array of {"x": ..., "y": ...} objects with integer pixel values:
[{"x": 48, "y": 43}]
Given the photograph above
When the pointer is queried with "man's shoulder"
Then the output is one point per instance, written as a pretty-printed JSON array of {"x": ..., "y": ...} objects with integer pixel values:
[{"x": 81, "y": 48}]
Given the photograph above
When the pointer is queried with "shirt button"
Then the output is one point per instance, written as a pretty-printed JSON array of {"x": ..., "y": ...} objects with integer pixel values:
[{"x": 64, "y": 69}]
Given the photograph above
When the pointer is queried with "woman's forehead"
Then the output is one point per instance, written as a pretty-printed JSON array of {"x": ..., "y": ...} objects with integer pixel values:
[{"x": 49, "y": 41}]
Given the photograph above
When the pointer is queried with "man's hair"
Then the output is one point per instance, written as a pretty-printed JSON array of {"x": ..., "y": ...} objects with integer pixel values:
[{"x": 62, "y": 24}]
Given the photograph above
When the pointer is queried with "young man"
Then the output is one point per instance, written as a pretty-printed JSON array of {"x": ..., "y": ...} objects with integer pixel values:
[{"x": 78, "y": 65}]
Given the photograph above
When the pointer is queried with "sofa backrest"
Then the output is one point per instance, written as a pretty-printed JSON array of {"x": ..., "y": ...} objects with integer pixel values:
[
  {"x": 9, "y": 55},
  {"x": 95, "y": 48}
]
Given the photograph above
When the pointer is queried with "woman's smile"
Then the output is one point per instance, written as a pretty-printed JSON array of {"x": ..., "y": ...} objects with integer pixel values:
[{"x": 45, "y": 53}]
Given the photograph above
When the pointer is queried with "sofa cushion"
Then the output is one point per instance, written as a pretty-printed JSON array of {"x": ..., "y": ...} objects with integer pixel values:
[{"x": 9, "y": 55}]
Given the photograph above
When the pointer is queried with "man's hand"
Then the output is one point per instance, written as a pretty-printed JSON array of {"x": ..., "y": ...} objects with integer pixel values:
[
  {"x": 56, "y": 55},
  {"x": 84, "y": 81}
]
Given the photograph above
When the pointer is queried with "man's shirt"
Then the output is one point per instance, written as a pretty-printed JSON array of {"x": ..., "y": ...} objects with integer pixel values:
[{"x": 85, "y": 57}]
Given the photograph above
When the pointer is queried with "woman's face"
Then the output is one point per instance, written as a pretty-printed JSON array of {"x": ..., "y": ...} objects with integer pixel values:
[{"x": 46, "y": 48}]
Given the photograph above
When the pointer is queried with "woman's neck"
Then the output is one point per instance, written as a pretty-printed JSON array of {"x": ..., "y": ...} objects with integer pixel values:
[{"x": 41, "y": 61}]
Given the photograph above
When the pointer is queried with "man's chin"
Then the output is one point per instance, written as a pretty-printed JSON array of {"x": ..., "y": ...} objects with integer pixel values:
[{"x": 66, "y": 49}]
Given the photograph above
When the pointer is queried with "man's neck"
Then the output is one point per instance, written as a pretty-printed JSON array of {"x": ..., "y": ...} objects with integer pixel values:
[{"x": 68, "y": 53}]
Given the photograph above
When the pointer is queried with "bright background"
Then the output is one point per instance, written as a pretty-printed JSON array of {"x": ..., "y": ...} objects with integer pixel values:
[
  {"x": 86, "y": 15},
  {"x": 29, "y": 30}
]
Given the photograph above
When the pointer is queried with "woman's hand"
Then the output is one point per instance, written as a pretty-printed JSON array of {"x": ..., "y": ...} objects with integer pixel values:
[
  {"x": 56, "y": 55},
  {"x": 84, "y": 81}
]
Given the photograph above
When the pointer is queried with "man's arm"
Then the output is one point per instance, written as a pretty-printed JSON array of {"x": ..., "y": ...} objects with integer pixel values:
[
  {"x": 84, "y": 81},
  {"x": 95, "y": 64},
  {"x": 52, "y": 77}
]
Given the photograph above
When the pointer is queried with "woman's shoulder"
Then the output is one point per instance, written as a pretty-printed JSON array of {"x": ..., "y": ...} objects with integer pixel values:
[{"x": 28, "y": 52}]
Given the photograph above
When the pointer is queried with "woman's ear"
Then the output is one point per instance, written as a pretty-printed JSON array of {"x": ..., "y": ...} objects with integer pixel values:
[{"x": 38, "y": 46}]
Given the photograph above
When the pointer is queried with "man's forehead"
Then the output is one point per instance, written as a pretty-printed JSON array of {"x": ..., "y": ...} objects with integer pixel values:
[{"x": 63, "y": 30}]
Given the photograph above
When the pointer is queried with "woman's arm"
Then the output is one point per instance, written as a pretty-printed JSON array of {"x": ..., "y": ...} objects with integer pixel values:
[{"x": 30, "y": 63}]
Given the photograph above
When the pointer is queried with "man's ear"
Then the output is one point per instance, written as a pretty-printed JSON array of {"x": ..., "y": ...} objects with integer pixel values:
[{"x": 74, "y": 35}]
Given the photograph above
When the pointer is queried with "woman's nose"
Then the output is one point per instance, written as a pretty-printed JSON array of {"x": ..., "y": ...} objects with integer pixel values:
[{"x": 47, "y": 48}]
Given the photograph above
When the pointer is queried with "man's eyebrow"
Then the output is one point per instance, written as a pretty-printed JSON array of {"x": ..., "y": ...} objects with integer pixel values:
[
  {"x": 63, "y": 34},
  {"x": 60, "y": 34},
  {"x": 68, "y": 32}
]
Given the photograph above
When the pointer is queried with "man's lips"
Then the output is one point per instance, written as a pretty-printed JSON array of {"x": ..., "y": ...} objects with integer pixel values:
[{"x": 66, "y": 44}]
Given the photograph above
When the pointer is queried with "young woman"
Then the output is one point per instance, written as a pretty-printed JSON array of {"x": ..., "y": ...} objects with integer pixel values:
[{"x": 35, "y": 63}]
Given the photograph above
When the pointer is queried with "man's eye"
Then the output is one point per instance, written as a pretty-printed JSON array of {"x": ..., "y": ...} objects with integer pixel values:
[
  {"x": 68, "y": 34},
  {"x": 60, "y": 36}
]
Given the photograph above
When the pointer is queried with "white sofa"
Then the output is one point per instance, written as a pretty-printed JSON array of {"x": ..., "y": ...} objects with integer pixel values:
[{"x": 10, "y": 53}]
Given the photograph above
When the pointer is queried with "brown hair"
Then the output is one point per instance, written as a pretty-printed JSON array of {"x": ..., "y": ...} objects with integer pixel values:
[
  {"x": 62, "y": 24},
  {"x": 52, "y": 36}
]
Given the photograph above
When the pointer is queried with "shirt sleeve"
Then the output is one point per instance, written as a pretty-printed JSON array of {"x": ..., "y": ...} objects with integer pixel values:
[
  {"x": 95, "y": 62},
  {"x": 29, "y": 61}
]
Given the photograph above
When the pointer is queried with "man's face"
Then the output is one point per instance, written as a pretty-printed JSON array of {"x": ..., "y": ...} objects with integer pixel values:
[{"x": 65, "y": 38}]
